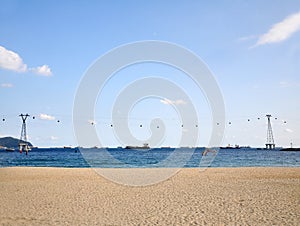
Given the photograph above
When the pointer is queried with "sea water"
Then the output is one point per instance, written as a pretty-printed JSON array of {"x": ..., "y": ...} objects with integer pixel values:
[{"x": 119, "y": 158}]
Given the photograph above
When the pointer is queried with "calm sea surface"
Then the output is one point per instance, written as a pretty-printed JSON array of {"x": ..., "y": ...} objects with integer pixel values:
[{"x": 118, "y": 158}]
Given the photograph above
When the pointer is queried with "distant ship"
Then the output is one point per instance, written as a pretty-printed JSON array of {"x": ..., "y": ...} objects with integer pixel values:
[
  {"x": 10, "y": 149},
  {"x": 145, "y": 146},
  {"x": 7, "y": 149},
  {"x": 231, "y": 147}
]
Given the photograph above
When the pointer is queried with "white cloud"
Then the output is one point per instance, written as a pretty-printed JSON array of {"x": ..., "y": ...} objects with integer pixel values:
[
  {"x": 42, "y": 70},
  {"x": 7, "y": 85},
  {"x": 46, "y": 117},
  {"x": 281, "y": 31},
  {"x": 10, "y": 60},
  {"x": 54, "y": 138},
  {"x": 289, "y": 130},
  {"x": 172, "y": 102}
]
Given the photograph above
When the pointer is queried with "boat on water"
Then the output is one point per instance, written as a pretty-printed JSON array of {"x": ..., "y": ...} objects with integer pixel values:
[
  {"x": 145, "y": 146},
  {"x": 231, "y": 147},
  {"x": 10, "y": 149},
  {"x": 7, "y": 149}
]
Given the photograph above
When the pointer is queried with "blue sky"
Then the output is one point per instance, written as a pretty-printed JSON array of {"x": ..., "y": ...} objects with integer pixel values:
[{"x": 252, "y": 48}]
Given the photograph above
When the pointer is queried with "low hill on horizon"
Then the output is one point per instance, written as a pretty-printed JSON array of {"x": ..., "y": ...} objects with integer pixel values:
[{"x": 11, "y": 142}]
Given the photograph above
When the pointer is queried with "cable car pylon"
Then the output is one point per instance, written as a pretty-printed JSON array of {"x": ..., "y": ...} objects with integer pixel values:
[
  {"x": 270, "y": 139},
  {"x": 23, "y": 144}
]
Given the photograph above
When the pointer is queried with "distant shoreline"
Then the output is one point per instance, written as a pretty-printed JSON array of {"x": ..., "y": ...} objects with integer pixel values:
[{"x": 138, "y": 148}]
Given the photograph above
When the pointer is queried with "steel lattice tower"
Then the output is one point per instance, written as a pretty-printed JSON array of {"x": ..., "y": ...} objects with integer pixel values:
[
  {"x": 270, "y": 139},
  {"x": 23, "y": 139}
]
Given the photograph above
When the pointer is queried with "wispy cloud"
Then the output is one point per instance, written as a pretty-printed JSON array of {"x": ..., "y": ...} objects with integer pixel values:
[
  {"x": 7, "y": 85},
  {"x": 288, "y": 84},
  {"x": 93, "y": 122},
  {"x": 289, "y": 130},
  {"x": 246, "y": 38},
  {"x": 53, "y": 138},
  {"x": 280, "y": 31},
  {"x": 173, "y": 102},
  {"x": 10, "y": 60},
  {"x": 46, "y": 117},
  {"x": 185, "y": 130}
]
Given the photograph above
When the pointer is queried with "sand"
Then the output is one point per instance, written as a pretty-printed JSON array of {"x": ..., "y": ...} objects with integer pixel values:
[{"x": 217, "y": 196}]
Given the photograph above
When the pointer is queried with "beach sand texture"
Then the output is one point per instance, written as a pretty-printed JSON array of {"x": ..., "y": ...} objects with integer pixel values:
[{"x": 217, "y": 196}]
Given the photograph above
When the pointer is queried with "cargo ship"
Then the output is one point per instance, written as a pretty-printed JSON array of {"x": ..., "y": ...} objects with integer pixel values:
[{"x": 145, "y": 146}]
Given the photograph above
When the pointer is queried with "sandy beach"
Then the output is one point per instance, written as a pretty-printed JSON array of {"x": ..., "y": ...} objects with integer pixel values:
[{"x": 217, "y": 196}]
